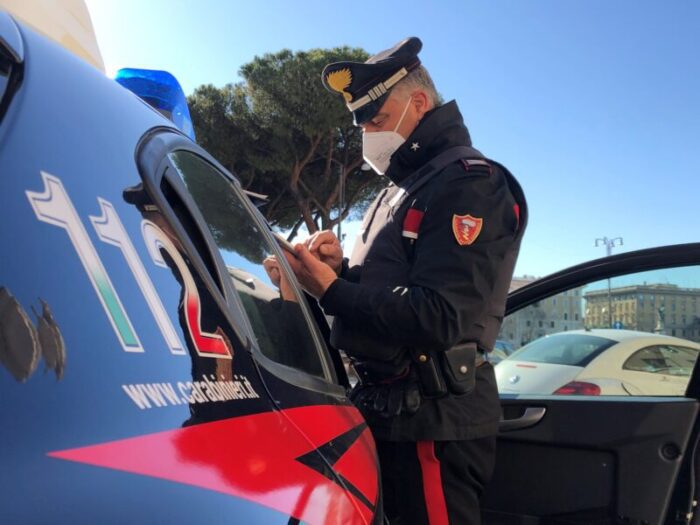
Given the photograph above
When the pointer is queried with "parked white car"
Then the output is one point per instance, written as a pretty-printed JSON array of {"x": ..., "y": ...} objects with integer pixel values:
[{"x": 600, "y": 362}]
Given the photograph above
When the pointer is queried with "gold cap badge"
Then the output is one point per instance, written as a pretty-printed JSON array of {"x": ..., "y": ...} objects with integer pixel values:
[{"x": 339, "y": 81}]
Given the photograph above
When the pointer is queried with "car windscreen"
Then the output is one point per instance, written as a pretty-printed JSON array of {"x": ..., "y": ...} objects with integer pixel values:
[{"x": 563, "y": 349}]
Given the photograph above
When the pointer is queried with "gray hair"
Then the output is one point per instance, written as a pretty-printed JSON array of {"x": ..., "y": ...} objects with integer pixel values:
[{"x": 419, "y": 78}]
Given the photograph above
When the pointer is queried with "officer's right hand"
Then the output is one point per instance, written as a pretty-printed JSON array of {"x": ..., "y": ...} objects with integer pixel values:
[
  {"x": 326, "y": 246},
  {"x": 314, "y": 276}
]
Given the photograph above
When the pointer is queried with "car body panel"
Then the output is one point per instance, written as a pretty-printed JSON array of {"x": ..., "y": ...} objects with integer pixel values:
[
  {"x": 517, "y": 377},
  {"x": 590, "y": 460}
]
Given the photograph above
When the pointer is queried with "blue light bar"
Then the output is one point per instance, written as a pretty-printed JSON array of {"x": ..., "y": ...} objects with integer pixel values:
[{"x": 162, "y": 91}]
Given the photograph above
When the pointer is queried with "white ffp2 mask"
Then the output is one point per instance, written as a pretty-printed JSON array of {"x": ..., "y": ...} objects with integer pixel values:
[{"x": 379, "y": 146}]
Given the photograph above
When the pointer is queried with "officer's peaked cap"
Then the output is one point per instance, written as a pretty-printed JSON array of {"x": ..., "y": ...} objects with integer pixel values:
[{"x": 365, "y": 85}]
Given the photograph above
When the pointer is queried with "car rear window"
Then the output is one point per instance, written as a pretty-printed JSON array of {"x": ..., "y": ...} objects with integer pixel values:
[
  {"x": 663, "y": 359},
  {"x": 564, "y": 349}
]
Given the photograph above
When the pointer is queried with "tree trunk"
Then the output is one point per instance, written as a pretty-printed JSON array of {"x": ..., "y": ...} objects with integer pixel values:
[
  {"x": 308, "y": 216},
  {"x": 295, "y": 229}
]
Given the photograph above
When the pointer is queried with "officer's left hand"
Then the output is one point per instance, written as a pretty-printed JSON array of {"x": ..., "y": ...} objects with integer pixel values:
[
  {"x": 279, "y": 278},
  {"x": 315, "y": 276}
]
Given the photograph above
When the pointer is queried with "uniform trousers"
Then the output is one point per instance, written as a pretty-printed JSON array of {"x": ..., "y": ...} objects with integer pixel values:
[{"x": 435, "y": 482}]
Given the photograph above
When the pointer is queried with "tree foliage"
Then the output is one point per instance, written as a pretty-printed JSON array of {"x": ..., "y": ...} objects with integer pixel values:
[{"x": 286, "y": 137}]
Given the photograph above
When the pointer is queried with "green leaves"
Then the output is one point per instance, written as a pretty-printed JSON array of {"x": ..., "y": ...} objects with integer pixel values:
[{"x": 285, "y": 136}]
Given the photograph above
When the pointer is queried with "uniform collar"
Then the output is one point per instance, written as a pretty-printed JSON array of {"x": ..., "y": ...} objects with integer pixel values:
[{"x": 441, "y": 128}]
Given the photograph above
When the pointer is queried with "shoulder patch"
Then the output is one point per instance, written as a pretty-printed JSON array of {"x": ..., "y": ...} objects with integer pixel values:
[{"x": 466, "y": 228}]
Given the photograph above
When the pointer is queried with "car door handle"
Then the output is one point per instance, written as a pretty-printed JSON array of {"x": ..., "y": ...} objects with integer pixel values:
[{"x": 531, "y": 417}]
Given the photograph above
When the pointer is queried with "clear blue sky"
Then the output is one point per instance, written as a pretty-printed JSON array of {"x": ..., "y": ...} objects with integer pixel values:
[{"x": 594, "y": 105}]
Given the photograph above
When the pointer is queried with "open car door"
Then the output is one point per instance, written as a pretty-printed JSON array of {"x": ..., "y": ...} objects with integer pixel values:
[{"x": 600, "y": 412}]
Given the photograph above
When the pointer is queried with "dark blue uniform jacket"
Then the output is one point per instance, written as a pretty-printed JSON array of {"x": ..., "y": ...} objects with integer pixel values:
[{"x": 399, "y": 294}]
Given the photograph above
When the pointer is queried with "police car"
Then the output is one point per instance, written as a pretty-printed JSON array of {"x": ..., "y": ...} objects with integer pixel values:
[
  {"x": 152, "y": 372},
  {"x": 157, "y": 367}
]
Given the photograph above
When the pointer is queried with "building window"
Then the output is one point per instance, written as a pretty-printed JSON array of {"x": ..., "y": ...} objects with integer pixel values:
[
  {"x": 551, "y": 324},
  {"x": 576, "y": 317},
  {"x": 566, "y": 317}
]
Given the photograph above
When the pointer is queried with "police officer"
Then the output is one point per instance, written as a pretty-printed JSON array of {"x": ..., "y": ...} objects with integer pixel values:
[{"x": 419, "y": 304}]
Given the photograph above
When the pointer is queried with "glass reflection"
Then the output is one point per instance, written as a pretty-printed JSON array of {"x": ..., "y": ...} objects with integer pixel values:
[{"x": 637, "y": 334}]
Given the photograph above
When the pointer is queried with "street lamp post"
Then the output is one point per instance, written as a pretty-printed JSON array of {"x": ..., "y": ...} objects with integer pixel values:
[{"x": 609, "y": 245}]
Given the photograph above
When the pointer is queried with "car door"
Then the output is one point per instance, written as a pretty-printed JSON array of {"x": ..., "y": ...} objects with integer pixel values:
[
  {"x": 605, "y": 459},
  {"x": 299, "y": 374}
]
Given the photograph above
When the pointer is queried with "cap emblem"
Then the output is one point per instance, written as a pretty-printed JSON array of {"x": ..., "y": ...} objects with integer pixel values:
[{"x": 339, "y": 81}]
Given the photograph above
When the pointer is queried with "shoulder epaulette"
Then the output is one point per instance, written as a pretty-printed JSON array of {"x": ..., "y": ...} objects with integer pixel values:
[{"x": 476, "y": 166}]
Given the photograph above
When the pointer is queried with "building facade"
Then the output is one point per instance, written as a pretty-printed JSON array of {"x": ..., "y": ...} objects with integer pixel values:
[
  {"x": 657, "y": 308},
  {"x": 560, "y": 313}
]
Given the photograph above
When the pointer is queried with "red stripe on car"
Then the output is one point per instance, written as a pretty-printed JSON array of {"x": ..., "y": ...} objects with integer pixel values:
[{"x": 253, "y": 457}]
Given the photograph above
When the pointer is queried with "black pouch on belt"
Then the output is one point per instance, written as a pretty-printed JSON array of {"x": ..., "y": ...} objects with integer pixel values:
[
  {"x": 430, "y": 378},
  {"x": 459, "y": 368}
]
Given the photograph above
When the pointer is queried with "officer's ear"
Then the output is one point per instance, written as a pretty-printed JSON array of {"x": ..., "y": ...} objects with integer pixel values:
[{"x": 421, "y": 102}]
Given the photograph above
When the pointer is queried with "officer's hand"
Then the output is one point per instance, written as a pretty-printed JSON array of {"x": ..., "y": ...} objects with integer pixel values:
[
  {"x": 279, "y": 278},
  {"x": 326, "y": 246},
  {"x": 272, "y": 268},
  {"x": 314, "y": 275}
]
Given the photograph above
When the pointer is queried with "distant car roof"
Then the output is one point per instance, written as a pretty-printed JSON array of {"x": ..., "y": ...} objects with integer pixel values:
[{"x": 624, "y": 335}]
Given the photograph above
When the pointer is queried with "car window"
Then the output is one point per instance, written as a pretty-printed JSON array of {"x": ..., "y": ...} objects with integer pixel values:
[
  {"x": 663, "y": 359},
  {"x": 501, "y": 350},
  {"x": 10, "y": 72},
  {"x": 637, "y": 334},
  {"x": 568, "y": 349},
  {"x": 274, "y": 310}
]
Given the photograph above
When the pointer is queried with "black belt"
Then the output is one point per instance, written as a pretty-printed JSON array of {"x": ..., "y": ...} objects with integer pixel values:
[
  {"x": 378, "y": 376},
  {"x": 370, "y": 376},
  {"x": 389, "y": 399}
]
